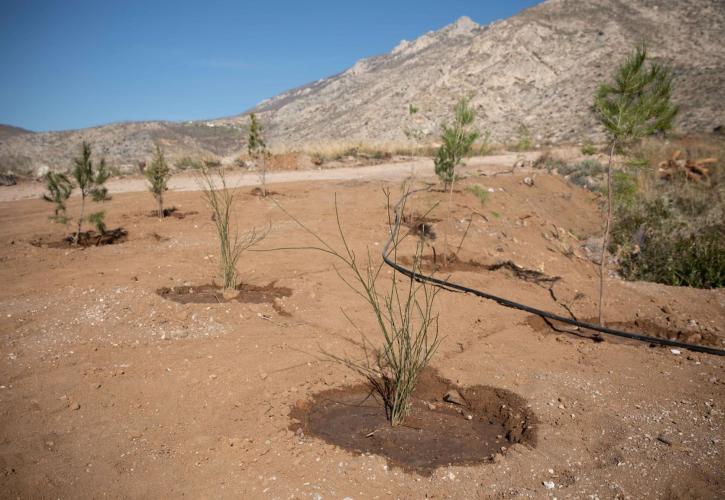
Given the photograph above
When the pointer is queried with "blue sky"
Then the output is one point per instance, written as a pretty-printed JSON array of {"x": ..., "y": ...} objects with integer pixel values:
[{"x": 74, "y": 63}]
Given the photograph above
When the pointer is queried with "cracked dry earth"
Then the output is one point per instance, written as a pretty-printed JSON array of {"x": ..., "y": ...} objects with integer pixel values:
[{"x": 108, "y": 389}]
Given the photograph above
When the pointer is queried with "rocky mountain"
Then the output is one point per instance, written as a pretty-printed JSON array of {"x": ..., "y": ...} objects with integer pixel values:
[{"x": 536, "y": 70}]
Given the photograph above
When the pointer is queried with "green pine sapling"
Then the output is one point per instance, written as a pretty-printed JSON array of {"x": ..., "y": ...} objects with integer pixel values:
[
  {"x": 157, "y": 174},
  {"x": 257, "y": 149},
  {"x": 637, "y": 103},
  {"x": 458, "y": 138},
  {"x": 59, "y": 190},
  {"x": 90, "y": 181}
]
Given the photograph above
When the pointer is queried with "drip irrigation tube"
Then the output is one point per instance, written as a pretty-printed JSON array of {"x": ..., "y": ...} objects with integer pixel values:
[{"x": 447, "y": 285}]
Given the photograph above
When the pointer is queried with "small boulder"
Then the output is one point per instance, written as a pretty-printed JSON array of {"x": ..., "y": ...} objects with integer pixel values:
[
  {"x": 7, "y": 180},
  {"x": 41, "y": 171},
  {"x": 453, "y": 396}
]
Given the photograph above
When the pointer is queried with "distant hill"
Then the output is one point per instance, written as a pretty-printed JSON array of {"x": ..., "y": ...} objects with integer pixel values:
[
  {"x": 537, "y": 69},
  {"x": 8, "y": 131}
]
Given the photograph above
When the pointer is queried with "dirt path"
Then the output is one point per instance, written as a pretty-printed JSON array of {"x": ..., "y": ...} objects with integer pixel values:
[{"x": 422, "y": 167}]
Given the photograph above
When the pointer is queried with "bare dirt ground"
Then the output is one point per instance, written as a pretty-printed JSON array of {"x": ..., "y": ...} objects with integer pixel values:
[{"x": 109, "y": 389}]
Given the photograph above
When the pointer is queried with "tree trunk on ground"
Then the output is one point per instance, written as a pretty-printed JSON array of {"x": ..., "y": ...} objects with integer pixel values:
[{"x": 605, "y": 239}]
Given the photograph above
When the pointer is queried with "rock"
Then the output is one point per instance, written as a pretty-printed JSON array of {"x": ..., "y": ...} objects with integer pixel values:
[
  {"x": 666, "y": 309},
  {"x": 694, "y": 338},
  {"x": 75, "y": 406},
  {"x": 7, "y": 180},
  {"x": 529, "y": 181},
  {"x": 549, "y": 485},
  {"x": 676, "y": 352},
  {"x": 453, "y": 396},
  {"x": 41, "y": 171},
  {"x": 230, "y": 294}
]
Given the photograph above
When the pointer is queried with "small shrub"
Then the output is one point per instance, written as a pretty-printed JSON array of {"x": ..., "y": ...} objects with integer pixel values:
[
  {"x": 479, "y": 191},
  {"x": 403, "y": 313},
  {"x": 231, "y": 244},
  {"x": 582, "y": 173},
  {"x": 523, "y": 142},
  {"x": 188, "y": 163},
  {"x": 157, "y": 175},
  {"x": 588, "y": 148},
  {"x": 485, "y": 148},
  {"x": 672, "y": 232}
]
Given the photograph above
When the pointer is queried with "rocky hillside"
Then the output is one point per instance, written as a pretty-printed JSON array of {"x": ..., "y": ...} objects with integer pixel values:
[{"x": 537, "y": 69}]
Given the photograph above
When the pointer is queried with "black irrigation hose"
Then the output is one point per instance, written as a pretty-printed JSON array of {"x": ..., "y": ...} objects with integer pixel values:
[{"x": 522, "y": 307}]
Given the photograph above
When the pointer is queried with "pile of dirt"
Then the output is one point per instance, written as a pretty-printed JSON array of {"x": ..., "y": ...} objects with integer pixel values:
[{"x": 447, "y": 424}]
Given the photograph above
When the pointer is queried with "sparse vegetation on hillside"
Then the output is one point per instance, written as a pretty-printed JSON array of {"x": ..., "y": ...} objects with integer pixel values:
[
  {"x": 523, "y": 141},
  {"x": 588, "y": 148},
  {"x": 672, "y": 231},
  {"x": 634, "y": 105},
  {"x": 158, "y": 174}
]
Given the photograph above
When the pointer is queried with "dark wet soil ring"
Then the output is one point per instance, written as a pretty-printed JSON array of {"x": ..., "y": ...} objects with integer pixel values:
[
  {"x": 436, "y": 433},
  {"x": 86, "y": 239},
  {"x": 213, "y": 294}
]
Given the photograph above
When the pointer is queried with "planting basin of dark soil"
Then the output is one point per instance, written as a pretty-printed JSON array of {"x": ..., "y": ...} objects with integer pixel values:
[
  {"x": 447, "y": 424},
  {"x": 172, "y": 212},
  {"x": 214, "y": 294},
  {"x": 86, "y": 239}
]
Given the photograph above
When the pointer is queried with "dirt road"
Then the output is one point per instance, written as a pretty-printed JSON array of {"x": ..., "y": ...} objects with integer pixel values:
[{"x": 385, "y": 171}]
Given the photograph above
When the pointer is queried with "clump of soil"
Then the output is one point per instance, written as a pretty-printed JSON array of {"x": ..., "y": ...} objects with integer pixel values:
[
  {"x": 86, "y": 239},
  {"x": 642, "y": 327},
  {"x": 257, "y": 191},
  {"x": 172, "y": 212},
  {"x": 447, "y": 424},
  {"x": 214, "y": 294},
  {"x": 420, "y": 225}
]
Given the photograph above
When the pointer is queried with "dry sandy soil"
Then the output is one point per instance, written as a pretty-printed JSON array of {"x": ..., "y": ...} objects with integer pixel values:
[{"x": 109, "y": 390}]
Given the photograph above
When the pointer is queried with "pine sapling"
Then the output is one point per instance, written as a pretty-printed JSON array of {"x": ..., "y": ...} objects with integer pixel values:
[
  {"x": 637, "y": 103},
  {"x": 458, "y": 138},
  {"x": 59, "y": 190},
  {"x": 90, "y": 181},
  {"x": 257, "y": 149},
  {"x": 157, "y": 175}
]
